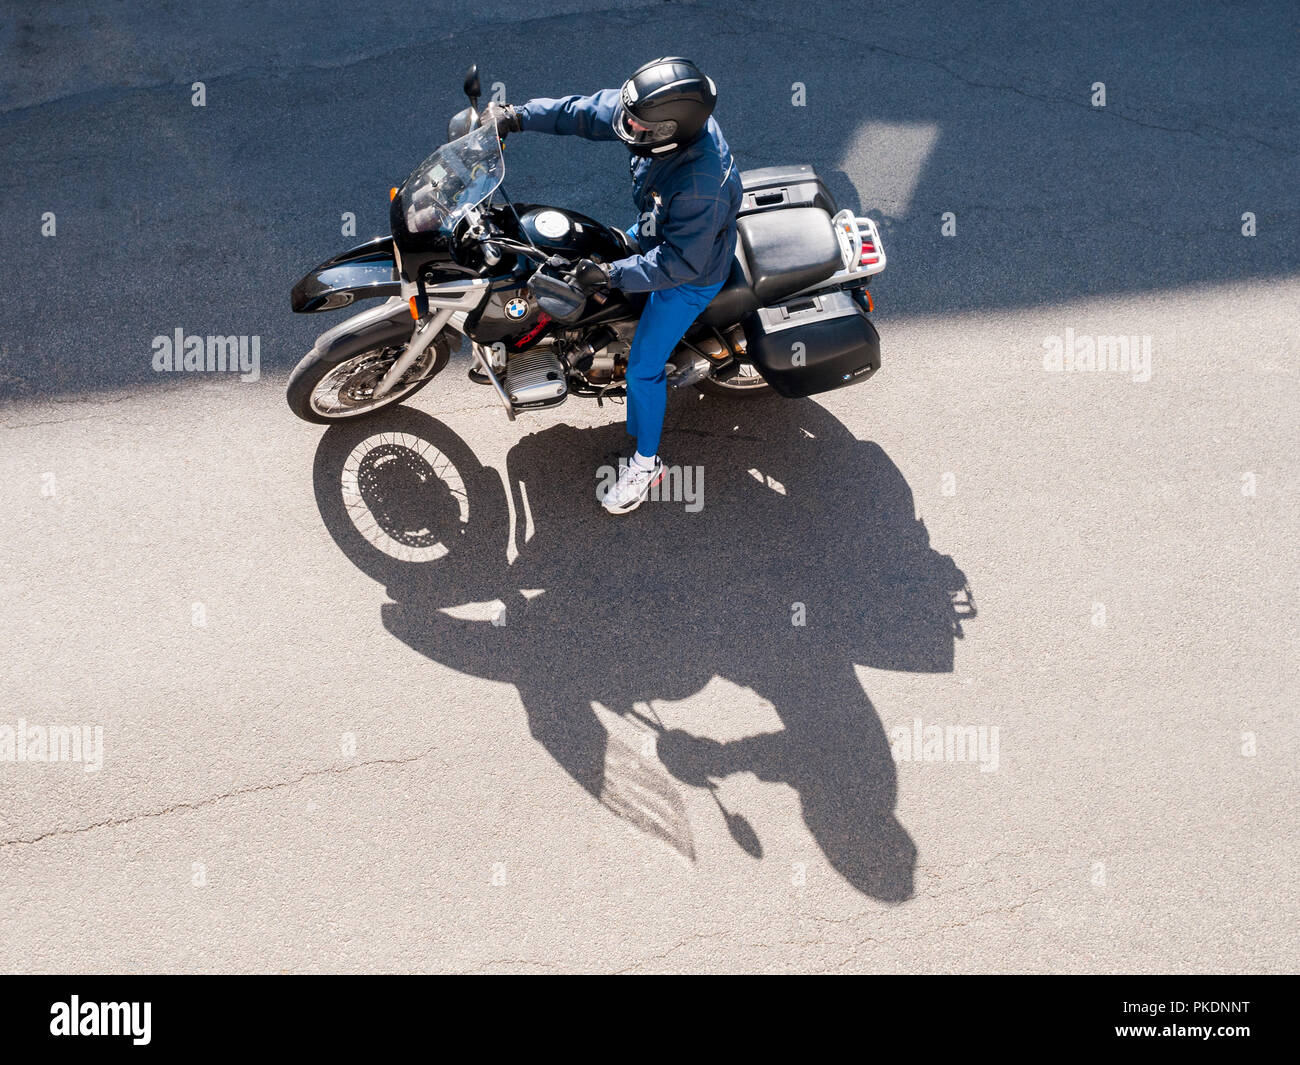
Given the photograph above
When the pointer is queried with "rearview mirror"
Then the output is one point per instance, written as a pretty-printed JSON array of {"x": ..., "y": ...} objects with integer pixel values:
[{"x": 472, "y": 87}]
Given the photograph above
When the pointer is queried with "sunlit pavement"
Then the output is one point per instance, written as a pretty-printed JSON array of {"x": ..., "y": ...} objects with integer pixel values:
[{"x": 320, "y": 753}]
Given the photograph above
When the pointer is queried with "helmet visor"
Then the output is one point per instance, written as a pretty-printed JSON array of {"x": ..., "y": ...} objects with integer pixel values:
[{"x": 631, "y": 130}]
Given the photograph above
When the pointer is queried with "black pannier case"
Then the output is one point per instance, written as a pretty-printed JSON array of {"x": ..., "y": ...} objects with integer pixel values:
[
  {"x": 812, "y": 344},
  {"x": 772, "y": 187}
]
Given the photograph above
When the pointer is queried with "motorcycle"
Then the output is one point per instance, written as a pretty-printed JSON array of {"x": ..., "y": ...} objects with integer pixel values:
[{"x": 463, "y": 260}]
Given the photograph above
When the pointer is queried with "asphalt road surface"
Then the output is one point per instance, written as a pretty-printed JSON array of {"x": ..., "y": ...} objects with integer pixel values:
[{"x": 1040, "y": 714}]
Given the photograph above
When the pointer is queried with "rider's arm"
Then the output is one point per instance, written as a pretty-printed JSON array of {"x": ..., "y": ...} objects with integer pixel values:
[
  {"x": 591, "y": 117},
  {"x": 693, "y": 223}
]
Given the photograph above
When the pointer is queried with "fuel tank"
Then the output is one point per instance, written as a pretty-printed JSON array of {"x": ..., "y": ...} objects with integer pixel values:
[
  {"x": 511, "y": 316},
  {"x": 571, "y": 234}
]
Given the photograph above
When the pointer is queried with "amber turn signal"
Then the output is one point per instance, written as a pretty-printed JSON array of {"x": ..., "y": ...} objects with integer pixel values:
[
  {"x": 392, "y": 194},
  {"x": 415, "y": 311}
]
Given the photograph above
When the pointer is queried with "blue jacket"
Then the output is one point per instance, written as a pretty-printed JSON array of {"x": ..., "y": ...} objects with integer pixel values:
[{"x": 693, "y": 195}]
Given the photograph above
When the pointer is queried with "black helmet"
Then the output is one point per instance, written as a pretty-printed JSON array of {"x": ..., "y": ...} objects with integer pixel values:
[{"x": 663, "y": 106}]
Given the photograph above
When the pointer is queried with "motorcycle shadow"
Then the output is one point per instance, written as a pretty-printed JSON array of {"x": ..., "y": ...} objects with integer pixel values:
[{"x": 801, "y": 558}]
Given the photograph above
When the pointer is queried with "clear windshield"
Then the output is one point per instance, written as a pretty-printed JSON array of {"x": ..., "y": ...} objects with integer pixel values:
[{"x": 452, "y": 181}]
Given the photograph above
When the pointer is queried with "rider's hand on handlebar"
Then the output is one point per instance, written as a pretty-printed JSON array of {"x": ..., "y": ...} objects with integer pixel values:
[
  {"x": 590, "y": 277},
  {"x": 504, "y": 117}
]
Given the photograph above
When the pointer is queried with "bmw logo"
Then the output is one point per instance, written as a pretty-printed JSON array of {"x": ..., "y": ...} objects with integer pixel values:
[{"x": 516, "y": 308}]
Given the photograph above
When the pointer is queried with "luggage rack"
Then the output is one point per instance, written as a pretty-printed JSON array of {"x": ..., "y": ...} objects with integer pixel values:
[{"x": 860, "y": 245}]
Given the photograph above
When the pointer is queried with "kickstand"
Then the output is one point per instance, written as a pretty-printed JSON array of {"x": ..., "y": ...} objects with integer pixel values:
[{"x": 600, "y": 396}]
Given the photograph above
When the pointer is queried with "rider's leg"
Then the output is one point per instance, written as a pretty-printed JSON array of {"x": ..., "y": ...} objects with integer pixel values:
[{"x": 668, "y": 314}]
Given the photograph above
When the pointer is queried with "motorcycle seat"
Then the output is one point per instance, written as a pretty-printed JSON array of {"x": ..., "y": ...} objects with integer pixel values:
[
  {"x": 788, "y": 250},
  {"x": 778, "y": 253},
  {"x": 734, "y": 300}
]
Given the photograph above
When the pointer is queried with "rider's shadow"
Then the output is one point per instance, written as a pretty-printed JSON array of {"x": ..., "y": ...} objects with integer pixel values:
[{"x": 805, "y": 559}]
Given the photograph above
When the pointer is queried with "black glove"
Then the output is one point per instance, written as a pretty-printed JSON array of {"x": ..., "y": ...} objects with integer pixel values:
[
  {"x": 504, "y": 117},
  {"x": 590, "y": 277}
]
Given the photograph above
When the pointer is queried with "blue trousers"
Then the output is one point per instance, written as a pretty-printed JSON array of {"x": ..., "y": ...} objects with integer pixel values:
[{"x": 668, "y": 314}]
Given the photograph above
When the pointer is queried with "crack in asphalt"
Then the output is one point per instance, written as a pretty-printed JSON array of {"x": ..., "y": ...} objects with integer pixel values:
[
  {"x": 145, "y": 394},
  {"x": 647, "y": 959},
  {"x": 211, "y": 800},
  {"x": 298, "y": 68},
  {"x": 83, "y": 401},
  {"x": 1195, "y": 131},
  {"x": 941, "y": 63},
  {"x": 852, "y": 919}
]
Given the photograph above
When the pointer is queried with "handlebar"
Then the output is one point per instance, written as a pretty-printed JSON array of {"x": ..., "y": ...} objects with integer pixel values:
[
  {"x": 555, "y": 262},
  {"x": 559, "y": 264}
]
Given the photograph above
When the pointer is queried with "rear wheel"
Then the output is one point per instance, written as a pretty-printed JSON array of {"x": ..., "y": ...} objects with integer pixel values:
[
  {"x": 745, "y": 383},
  {"x": 326, "y": 393}
]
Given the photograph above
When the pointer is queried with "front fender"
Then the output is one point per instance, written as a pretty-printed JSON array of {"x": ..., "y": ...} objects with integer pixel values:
[
  {"x": 363, "y": 272},
  {"x": 387, "y": 323}
]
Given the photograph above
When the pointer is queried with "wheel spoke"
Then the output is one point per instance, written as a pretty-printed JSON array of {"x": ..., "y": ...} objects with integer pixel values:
[{"x": 348, "y": 388}]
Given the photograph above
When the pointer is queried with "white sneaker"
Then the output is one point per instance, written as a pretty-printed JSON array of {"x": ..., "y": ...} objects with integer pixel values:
[{"x": 632, "y": 487}]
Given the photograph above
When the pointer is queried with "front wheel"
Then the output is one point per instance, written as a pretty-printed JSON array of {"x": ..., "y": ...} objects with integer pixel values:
[
  {"x": 745, "y": 383},
  {"x": 324, "y": 392}
]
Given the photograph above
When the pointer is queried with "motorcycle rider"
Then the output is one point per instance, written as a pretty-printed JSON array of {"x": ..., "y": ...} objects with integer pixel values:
[{"x": 688, "y": 192}]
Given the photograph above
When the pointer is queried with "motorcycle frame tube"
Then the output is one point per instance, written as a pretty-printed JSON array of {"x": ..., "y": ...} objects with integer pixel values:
[
  {"x": 486, "y": 364},
  {"x": 425, "y": 333},
  {"x": 449, "y": 299}
]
